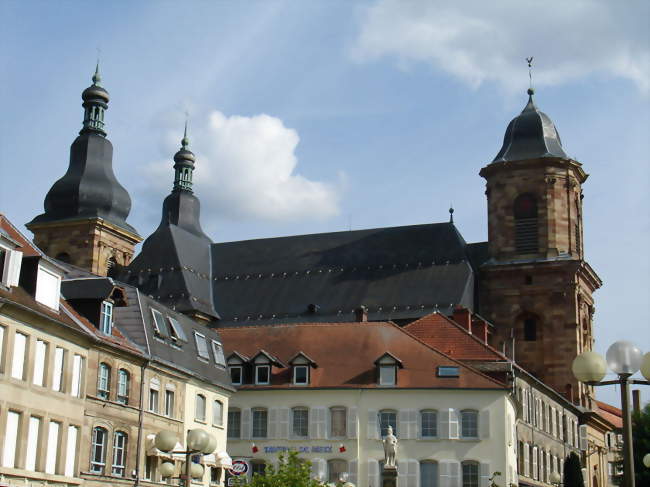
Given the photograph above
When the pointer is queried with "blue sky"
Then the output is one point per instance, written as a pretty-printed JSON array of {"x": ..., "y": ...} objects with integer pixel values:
[{"x": 315, "y": 116}]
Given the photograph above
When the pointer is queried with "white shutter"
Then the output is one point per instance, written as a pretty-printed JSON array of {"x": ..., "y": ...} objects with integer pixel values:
[
  {"x": 485, "y": 474},
  {"x": 560, "y": 427},
  {"x": 273, "y": 423},
  {"x": 454, "y": 427},
  {"x": 32, "y": 443},
  {"x": 455, "y": 478},
  {"x": 71, "y": 452},
  {"x": 414, "y": 474},
  {"x": 319, "y": 469},
  {"x": 373, "y": 473},
  {"x": 283, "y": 423},
  {"x": 372, "y": 433},
  {"x": 76, "y": 375},
  {"x": 328, "y": 423},
  {"x": 584, "y": 437},
  {"x": 352, "y": 472},
  {"x": 403, "y": 424},
  {"x": 547, "y": 465},
  {"x": 52, "y": 447},
  {"x": 13, "y": 263},
  {"x": 413, "y": 424},
  {"x": 18, "y": 359},
  {"x": 443, "y": 423},
  {"x": 246, "y": 423},
  {"x": 443, "y": 473},
  {"x": 484, "y": 426},
  {"x": 553, "y": 423},
  {"x": 11, "y": 435},
  {"x": 535, "y": 458},
  {"x": 402, "y": 473},
  {"x": 317, "y": 422},
  {"x": 352, "y": 423},
  {"x": 39, "y": 362},
  {"x": 526, "y": 471}
]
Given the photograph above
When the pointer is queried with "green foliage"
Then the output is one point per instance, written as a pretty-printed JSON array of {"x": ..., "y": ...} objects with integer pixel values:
[
  {"x": 573, "y": 471},
  {"x": 641, "y": 440},
  {"x": 292, "y": 471}
]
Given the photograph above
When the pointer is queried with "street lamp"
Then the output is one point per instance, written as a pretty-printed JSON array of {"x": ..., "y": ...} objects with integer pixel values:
[
  {"x": 646, "y": 460},
  {"x": 555, "y": 479},
  {"x": 198, "y": 441},
  {"x": 624, "y": 359}
]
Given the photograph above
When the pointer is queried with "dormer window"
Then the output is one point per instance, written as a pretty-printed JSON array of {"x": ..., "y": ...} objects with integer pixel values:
[
  {"x": 236, "y": 363},
  {"x": 262, "y": 374},
  {"x": 301, "y": 374},
  {"x": 301, "y": 365},
  {"x": 387, "y": 366},
  {"x": 106, "y": 318},
  {"x": 262, "y": 363},
  {"x": 236, "y": 374}
]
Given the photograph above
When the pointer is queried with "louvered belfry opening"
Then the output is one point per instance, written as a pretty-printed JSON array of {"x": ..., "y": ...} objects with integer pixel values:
[{"x": 526, "y": 224}]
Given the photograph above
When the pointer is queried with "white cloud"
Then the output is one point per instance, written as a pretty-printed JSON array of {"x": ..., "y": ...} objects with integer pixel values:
[
  {"x": 479, "y": 41},
  {"x": 246, "y": 169}
]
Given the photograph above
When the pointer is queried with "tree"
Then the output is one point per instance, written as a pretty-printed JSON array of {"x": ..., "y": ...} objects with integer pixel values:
[
  {"x": 641, "y": 441},
  {"x": 292, "y": 471},
  {"x": 573, "y": 471}
]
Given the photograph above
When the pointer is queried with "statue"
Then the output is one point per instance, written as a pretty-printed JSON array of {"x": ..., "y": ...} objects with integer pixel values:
[{"x": 390, "y": 449}]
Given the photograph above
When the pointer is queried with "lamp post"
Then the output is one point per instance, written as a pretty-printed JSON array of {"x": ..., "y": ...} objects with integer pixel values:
[
  {"x": 624, "y": 359},
  {"x": 198, "y": 442},
  {"x": 555, "y": 479}
]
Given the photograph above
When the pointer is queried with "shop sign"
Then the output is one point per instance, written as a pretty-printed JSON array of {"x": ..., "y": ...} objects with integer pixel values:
[{"x": 299, "y": 449}]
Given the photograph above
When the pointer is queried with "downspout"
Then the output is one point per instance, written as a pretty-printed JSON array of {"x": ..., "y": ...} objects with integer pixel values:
[{"x": 138, "y": 453}]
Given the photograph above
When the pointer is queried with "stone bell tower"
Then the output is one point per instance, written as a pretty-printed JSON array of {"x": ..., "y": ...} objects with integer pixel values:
[
  {"x": 536, "y": 286},
  {"x": 84, "y": 222}
]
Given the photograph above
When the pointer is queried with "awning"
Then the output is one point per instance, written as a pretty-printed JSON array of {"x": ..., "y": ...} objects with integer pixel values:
[{"x": 218, "y": 459}]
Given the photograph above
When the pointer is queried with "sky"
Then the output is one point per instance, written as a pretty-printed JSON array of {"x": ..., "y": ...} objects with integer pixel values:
[{"x": 323, "y": 115}]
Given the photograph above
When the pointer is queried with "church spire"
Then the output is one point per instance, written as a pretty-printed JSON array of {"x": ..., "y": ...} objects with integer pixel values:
[
  {"x": 95, "y": 103},
  {"x": 183, "y": 165}
]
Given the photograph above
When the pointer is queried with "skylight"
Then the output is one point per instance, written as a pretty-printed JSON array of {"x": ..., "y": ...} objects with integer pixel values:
[
  {"x": 448, "y": 371},
  {"x": 158, "y": 323},
  {"x": 177, "y": 332},
  {"x": 217, "y": 350},
  {"x": 201, "y": 345}
]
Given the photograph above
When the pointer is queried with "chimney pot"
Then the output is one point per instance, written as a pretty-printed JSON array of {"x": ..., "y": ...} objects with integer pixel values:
[{"x": 361, "y": 314}]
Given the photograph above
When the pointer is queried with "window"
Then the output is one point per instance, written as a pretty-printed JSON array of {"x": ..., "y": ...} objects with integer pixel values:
[
  {"x": 215, "y": 475},
  {"x": 429, "y": 424},
  {"x": 234, "y": 423},
  {"x": 525, "y": 213},
  {"x": 52, "y": 447},
  {"x": 199, "y": 411},
  {"x": 32, "y": 443},
  {"x": 176, "y": 330},
  {"x": 18, "y": 360},
  {"x": 153, "y": 400},
  {"x": 530, "y": 329},
  {"x": 158, "y": 323},
  {"x": 103, "y": 381},
  {"x": 40, "y": 353},
  {"x": 59, "y": 363},
  {"x": 236, "y": 374},
  {"x": 217, "y": 351},
  {"x": 260, "y": 417},
  {"x": 336, "y": 469},
  {"x": 386, "y": 419},
  {"x": 77, "y": 375},
  {"x": 201, "y": 345},
  {"x": 48, "y": 287},
  {"x": 98, "y": 450},
  {"x": 258, "y": 467},
  {"x": 446, "y": 371},
  {"x": 387, "y": 375},
  {"x": 338, "y": 422},
  {"x": 11, "y": 436},
  {"x": 119, "y": 453},
  {"x": 262, "y": 373},
  {"x": 123, "y": 382},
  {"x": 428, "y": 474},
  {"x": 470, "y": 474},
  {"x": 169, "y": 403},
  {"x": 217, "y": 413},
  {"x": 300, "y": 374},
  {"x": 106, "y": 318},
  {"x": 469, "y": 424},
  {"x": 2, "y": 343},
  {"x": 150, "y": 468},
  {"x": 300, "y": 422},
  {"x": 71, "y": 453}
]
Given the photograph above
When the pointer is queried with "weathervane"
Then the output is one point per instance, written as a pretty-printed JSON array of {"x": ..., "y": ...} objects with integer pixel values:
[{"x": 529, "y": 60}]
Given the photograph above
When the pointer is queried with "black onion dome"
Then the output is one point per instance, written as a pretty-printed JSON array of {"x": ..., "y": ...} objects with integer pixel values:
[
  {"x": 95, "y": 93},
  {"x": 530, "y": 135}
]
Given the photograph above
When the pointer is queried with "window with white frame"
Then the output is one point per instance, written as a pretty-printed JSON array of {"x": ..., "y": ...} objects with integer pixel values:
[
  {"x": 387, "y": 375},
  {"x": 40, "y": 354},
  {"x": 103, "y": 381},
  {"x": 217, "y": 413},
  {"x": 59, "y": 364},
  {"x": 119, "y": 453},
  {"x": 236, "y": 376},
  {"x": 176, "y": 330},
  {"x": 169, "y": 403},
  {"x": 469, "y": 424},
  {"x": 52, "y": 447},
  {"x": 98, "y": 450},
  {"x": 300, "y": 422},
  {"x": 201, "y": 345},
  {"x": 234, "y": 423},
  {"x": 262, "y": 374},
  {"x": 428, "y": 424},
  {"x": 11, "y": 435},
  {"x": 106, "y": 318},
  {"x": 199, "y": 411},
  {"x": 48, "y": 287},
  {"x": 77, "y": 375},
  {"x": 123, "y": 385},
  {"x": 429, "y": 474},
  {"x": 470, "y": 474},
  {"x": 154, "y": 397},
  {"x": 338, "y": 422},
  {"x": 158, "y": 323},
  {"x": 71, "y": 452},
  {"x": 387, "y": 418},
  {"x": 217, "y": 351},
  {"x": 260, "y": 422},
  {"x": 301, "y": 374},
  {"x": 18, "y": 359}
]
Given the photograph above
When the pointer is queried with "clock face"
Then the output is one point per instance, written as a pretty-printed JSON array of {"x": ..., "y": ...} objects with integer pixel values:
[{"x": 525, "y": 206}]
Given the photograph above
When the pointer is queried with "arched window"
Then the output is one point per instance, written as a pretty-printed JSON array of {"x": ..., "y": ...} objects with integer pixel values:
[
  {"x": 98, "y": 450},
  {"x": 123, "y": 384},
  {"x": 119, "y": 453},
  {"x": 338, "y": 422},
  {"x": 470, "y": 474},
  {"x": 300, "y": 422},
  {"x": 103, "y": 381},
  {"x": 469, "y": 424},
  {"x": 526, "y": 224},
  {"x": 429, "y": 474},
  {"x": 336, "y": 469},
  {"x": 217, "y": 413},
  {"x": 199, "y": 414},
  {"x": 387, "y": 418},
  {"x": 428, "y": 424}
]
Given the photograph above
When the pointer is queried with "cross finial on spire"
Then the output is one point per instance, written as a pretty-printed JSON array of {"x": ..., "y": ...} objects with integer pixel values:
[
  {"x": 529, "y": 60},
  {"x": 451, "y": 213}
]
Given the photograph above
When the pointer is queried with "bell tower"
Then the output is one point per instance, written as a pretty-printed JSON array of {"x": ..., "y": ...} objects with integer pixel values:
[
  {"x": 536, "y": 286},
  {"x": 84, "y": 222}
]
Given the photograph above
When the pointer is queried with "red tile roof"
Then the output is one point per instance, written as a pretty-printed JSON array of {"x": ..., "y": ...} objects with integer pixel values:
[
  {"x": 346, "y": 352},
  {"x": 441, "y": 333},
  {"x": 612, "y": 414}
]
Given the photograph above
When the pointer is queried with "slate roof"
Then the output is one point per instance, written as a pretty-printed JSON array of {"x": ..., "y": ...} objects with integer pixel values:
[
  {"x": 346, "y": 352},
  {"x": 397, "y": 273}
]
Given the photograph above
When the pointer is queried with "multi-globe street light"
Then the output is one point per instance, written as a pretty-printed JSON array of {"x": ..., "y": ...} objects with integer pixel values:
[
  {"x": 624, "y": 359},
  {"x": 198, "y": 442}
]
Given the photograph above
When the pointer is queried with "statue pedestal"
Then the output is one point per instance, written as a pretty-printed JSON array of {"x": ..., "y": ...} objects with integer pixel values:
[{"x": 389, "y": 477}]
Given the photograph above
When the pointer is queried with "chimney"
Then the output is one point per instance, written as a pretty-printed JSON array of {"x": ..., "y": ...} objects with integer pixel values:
[
  {"x": 480, "y": 329},
  {"x": 636, "y": 400},
  {"x": 463, "y": 317},
  {"x": 361, "y": 314}
]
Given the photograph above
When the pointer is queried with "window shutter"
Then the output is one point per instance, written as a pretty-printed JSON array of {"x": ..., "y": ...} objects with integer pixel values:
[
  {"x": 313, "y": 423},
  {"x": 453, "y": 424},
  {"x": 283, "y": 423},
  {"x": 526, "y": 460},
  {"x": 560, "y": 428},
  {"x": 524, "y": 402},
  {"x": 485, "y": 475},
  {"x": 373, "y": 473},
  {"x": 12, "y": 268},
  {"x": 443, "y": 469},
  {"x": 535, "y": 458},
  {"x": 328, "y": 423},
  {"x": 372, "y": 433},
  {"x": 584, "y": 438},
  {"x": 443, "y": 423},
  {"x": 273, "y": 423},
  {"x": 547, "y": 464},
  {"x": 414, "y": 474},
  {"x": 403, "y": 424},
  {"x": 352, "y": 472},
  {"x": 455, "y": 478},
  {"x": 413, "y": 424},
  {"x": 484, "y": 426},
  {"x": 246, "y": 423},
  {"x": 319, "y": 469},
  {"x": 352, "y": 423},
  {"x": 402, "y": 473}
]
